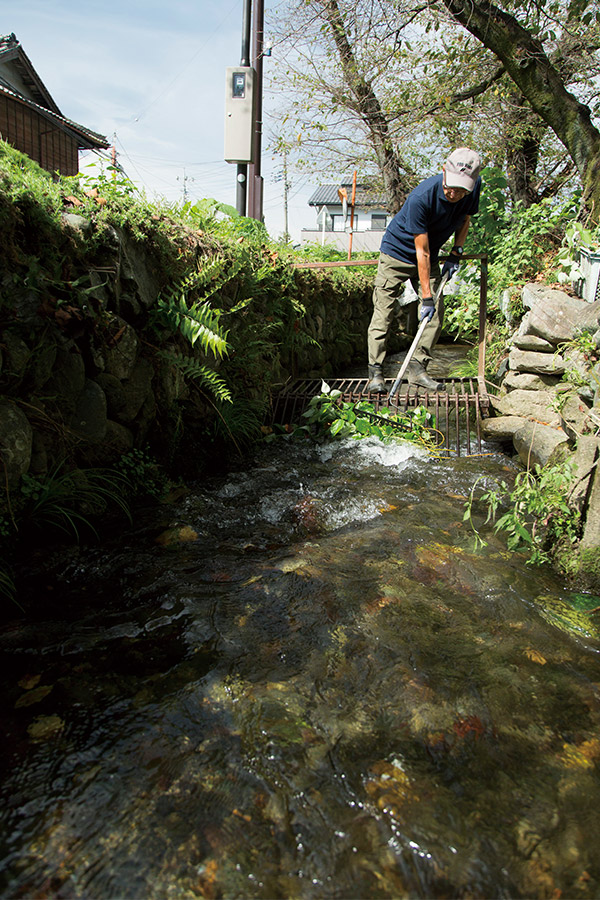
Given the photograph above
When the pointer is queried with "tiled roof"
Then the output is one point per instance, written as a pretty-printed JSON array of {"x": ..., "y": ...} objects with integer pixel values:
[
  {"x": 11, "y": 51},
  {"x": 366, "y": 197}
]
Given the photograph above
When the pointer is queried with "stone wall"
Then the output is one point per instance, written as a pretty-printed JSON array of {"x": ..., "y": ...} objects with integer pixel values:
[
  {"x": 548, "y": 402},
  {"x": 82, "y": 379}
]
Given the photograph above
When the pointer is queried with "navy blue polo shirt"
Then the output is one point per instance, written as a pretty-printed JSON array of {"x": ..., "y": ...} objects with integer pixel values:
[{"x": 426, "y": 210}]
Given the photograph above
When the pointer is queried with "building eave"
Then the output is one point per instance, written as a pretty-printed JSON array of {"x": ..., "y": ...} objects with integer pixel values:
[
  {"x": 12, "y": 51},
  {"x": 86, "y": 139}
]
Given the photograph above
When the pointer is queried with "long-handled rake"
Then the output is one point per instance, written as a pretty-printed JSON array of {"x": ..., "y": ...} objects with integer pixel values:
[{"x": 415, "y": 343}]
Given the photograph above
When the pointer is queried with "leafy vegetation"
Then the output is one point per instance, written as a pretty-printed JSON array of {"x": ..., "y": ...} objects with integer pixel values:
[
  {"x": 329, "y": 417},
  {"x": 534, "y": 513},
  {"x": 519, "y": 242},
  {"x": 71, "y": 502}
]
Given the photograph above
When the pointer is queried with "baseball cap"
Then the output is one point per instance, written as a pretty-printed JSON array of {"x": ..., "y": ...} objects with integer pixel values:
[{"x": 462, "y": 168}]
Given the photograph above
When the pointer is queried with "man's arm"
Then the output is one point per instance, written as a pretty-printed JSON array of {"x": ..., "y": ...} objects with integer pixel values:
[
  {"x": 423, "y": 263},
  {"x": 461, "y": 234}
]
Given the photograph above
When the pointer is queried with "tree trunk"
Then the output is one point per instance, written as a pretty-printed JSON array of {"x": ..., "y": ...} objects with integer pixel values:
[
  {"x": 367, "y": 105},
  {"x": 528, "y": 66}
]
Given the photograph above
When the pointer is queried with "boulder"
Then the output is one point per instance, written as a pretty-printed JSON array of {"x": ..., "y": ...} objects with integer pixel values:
[
  {"x": 500, "y": 428},
  {"x": 591, "y": 528},
  {"x": 556, "y": 316},
  {"x": 527, "y": 381},
  {"x": 136, "y": 390},
  {"x": 67, "y": 380},
  {"x": 533, "y": 405},
  {"x": 38, "y": 464},
  {"x": 42, "y": 362},
  {"x": 536, "y": 443},
  {"x": 89, "y": 416},
  {"x": 116, "y": 403},
  {"x": 16, "y": 354},
  {"x": 117, "y": 441},
  {"x": 574, "y": 415},
  {"x": 137, "y": 275},
  {"x": 532, "y": 342},
  {"x": 583, "y": 458},
  {"x": 16, "y": 437},
  {"x": 122, "y": 353},
  {"x": 76, "y": 222},
  {"x": 536, "y": 362}
]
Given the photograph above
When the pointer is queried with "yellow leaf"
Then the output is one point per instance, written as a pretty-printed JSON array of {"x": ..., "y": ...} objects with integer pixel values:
[
  {"x": 33, "y": 696},
  {"x": 29, "y": 682},
  {"x": 573, "y": 758},
  {"x": 534, "y": 656},
  {"x": 44, "y": 726},
  {"x": 251, "y": 580}
]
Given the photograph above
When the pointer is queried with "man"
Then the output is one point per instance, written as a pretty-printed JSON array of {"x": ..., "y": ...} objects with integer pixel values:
[{"x": 439, "y": 207}]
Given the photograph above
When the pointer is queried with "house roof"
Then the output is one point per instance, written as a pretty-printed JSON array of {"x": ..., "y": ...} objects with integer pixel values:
[
  {"x": 366, "y": 196},
  {"x": 40, "y": 99}
]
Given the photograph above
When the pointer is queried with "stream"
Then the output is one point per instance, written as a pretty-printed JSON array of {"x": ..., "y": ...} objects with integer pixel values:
[{"x": 303, "y": 680}]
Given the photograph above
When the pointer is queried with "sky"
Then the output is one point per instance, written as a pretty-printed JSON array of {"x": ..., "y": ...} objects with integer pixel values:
[{"x": 150, "y": 77}]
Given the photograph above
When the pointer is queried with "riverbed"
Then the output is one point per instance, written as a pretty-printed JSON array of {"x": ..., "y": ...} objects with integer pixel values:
[{"x": 304, "y": 679}]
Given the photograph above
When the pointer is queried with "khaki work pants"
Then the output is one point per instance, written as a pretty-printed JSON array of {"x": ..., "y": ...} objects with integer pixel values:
[{"x": 392, "y": 274}]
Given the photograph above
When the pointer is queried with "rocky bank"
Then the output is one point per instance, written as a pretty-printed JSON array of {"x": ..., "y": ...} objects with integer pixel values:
[{"x": 547, "y": 404}]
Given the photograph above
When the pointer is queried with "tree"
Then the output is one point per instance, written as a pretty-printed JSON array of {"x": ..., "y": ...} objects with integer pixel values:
[
  {"x": 333, "y": 94},
  {"x": 523, "y": 57},
  {"x": 366, "y": 80},
  {"x": 368, "y": 107}
]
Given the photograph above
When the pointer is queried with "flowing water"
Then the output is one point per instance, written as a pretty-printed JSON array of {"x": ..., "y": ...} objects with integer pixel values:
[{"x": 304, "y": 681}]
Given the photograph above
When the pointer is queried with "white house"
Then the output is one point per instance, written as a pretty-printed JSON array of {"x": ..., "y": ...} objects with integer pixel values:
[{"x": 332, "y": 203}]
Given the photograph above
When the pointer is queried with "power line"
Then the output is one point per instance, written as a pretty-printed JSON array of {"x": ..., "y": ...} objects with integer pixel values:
[{"x": 176, "y": 78}]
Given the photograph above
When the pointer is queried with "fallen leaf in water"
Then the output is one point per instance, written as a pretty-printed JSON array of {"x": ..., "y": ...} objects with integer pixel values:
[
  {"x": 390, "y": 788},
  {"x": 29, "y": 682},
  {"x": 534, "y": 656},
  {"x": 207, "y": 880},
  {"x": 379, "y": 603},
  {"x": 472, "y": 724},
  {"x": 179, "y": 534},
  {"x": 222, "y": 576},
  {"x": 33, "y": 696},
  {"x": 573, "y": 758},
  {"x": 241, "y": 815},
  {"x": 591, "y": 748},
  {"x": 44, "y": 727},
  {"x": 251, "y": 580},
  {"x": 387, "y": 508}
]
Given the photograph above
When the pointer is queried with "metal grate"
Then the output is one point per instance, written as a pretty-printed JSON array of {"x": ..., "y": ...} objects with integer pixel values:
[{"x": 457, "y": 410}]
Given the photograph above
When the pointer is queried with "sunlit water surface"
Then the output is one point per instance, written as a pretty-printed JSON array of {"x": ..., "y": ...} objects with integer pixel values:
[{"x": 303, "y": 680}]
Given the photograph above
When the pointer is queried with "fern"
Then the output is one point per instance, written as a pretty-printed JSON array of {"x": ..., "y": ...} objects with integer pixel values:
[
  {"x": 211, "y": 277},
  {"x": 197, "y": 371},
  {"x": 196, "y": 323}
]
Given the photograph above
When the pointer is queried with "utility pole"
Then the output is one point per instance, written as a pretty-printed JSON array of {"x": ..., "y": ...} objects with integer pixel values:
[
  {"x": 255, "y": 185},
  {"x": 283, "y": 176},
  {"x": 286, "y": 233},
  {"x": 242, "y": 168},
  {"x": 184, "y": 180}
]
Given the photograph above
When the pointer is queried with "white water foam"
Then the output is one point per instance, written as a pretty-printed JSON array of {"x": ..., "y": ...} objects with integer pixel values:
[{"x": 371, "y": 450}]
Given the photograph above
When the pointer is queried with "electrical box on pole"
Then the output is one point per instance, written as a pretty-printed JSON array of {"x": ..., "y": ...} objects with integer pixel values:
[{"x": 240, "y": 109}]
